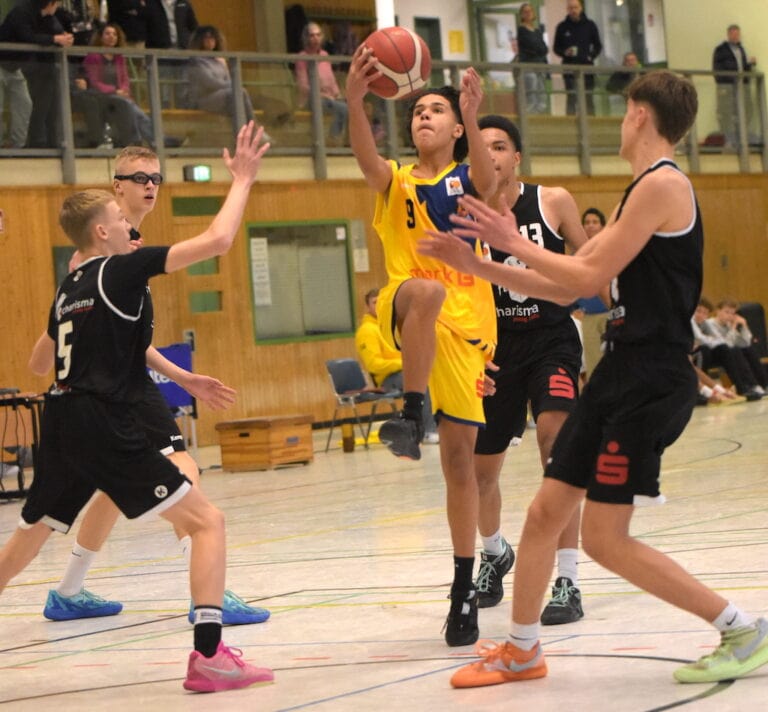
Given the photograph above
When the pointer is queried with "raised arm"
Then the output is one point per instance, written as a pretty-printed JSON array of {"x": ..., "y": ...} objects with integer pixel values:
[
  {"x": 481, "y": 171},
  {"x": 376, "y": 170},
  {"x": 218, "y": 238}
]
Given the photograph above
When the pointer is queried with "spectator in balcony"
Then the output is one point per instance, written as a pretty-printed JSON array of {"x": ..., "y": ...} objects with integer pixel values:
[
  {"x": 131, "y": 16},
  {"x": 730, "y": 56},
  {"x": 532, "y": 49},
  {"x": 170, "y": 24},
  {"x": 332, "y": 101},
  {"x": 620, "y": 80},
  {"x": 107, "y": 74},
  {"x": 577, "y": 41},
  {"x": 209, "y": 79},
  {"x": 34, "y": 22}
]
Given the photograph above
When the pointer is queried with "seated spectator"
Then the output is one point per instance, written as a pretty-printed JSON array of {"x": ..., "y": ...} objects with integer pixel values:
[
  {"x": 713, "y": 393},
  {"x": 332, "y": 101},
  {"x": 385, "y": 364},
  {"x": 733, "y": 329},
  {"x": 619, "y": 81},
  {"x": 107, "y": 74},
  {"x": 209, "y": 78},
  {"x": 713, "y": 350},
  {"x": 89, "y": 104}
]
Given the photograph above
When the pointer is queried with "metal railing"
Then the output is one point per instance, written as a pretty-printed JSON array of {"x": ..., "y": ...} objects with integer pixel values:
[{"x": 301, "y": 131}]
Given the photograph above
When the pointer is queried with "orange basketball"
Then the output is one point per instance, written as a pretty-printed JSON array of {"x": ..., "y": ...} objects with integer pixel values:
[{"x": 403, "y": 59}]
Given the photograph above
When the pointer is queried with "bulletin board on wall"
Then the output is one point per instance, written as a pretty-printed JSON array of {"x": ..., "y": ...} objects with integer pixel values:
[{"x": 302, "y": 284}]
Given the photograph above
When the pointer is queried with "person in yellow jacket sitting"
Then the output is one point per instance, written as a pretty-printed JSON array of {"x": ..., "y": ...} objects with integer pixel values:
[{"x": 385, "y": 364}]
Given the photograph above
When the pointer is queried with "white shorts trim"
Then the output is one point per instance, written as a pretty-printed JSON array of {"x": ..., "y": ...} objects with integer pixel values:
[
  {"x": 54, "y": 524},
  {"x": 642, "y": 500},
  {"x": 177, "y": 496}
]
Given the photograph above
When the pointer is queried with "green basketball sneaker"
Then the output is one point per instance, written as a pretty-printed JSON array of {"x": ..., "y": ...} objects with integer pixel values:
[{"x": 740, "y": 652}]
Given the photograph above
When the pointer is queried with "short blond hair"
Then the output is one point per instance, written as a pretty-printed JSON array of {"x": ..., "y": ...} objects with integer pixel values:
[
  {"x": 134, "y": 153},
  {"x": 78, "y": 213}
]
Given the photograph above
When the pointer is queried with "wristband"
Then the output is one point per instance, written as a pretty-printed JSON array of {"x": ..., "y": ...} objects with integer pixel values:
[{"x": 706, "y": 391}]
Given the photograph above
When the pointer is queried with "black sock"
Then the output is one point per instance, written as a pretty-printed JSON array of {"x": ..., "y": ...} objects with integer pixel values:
[
  {"x": 207, "y": 629},
  {"x": 413, "y": 405},
  {"x": 462, "y": 575}
]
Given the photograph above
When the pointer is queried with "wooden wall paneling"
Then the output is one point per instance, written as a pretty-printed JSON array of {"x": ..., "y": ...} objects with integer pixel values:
[{"x": 26, "y": 274}]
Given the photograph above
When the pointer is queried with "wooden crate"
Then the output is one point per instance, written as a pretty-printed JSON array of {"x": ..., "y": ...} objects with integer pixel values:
[{"x": 263, "y": 443}]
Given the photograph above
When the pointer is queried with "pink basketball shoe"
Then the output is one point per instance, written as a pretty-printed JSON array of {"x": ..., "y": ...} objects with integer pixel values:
[{"x": 226, "y": 670}]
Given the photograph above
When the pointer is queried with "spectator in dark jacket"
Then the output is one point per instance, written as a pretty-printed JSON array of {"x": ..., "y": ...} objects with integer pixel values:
[
  {"x": 34, "y": 22},
  {"x": 170, "y": 24},
  {"x": 577, "y": 41},
  {"x": 131, "y": 15},
  {"x": 729, "y": 56}
]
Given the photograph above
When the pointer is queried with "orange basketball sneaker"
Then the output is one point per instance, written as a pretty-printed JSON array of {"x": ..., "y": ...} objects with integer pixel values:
[{"x": 503, "y": 662}]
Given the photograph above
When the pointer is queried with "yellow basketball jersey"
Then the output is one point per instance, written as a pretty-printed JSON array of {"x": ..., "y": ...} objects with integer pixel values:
[{"x": 409, "y": 208}]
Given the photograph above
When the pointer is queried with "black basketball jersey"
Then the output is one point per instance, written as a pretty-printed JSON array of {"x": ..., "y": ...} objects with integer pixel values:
[
  {"x": 515, "y": 311},
  {"x": 655, "y": 295},
  {"x": 101, "y": 323}
]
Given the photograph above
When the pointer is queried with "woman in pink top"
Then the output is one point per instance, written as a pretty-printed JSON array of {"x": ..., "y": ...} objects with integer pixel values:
[
  {"x": 332, "y": 101},
  {"x": 107, "y": 74}
]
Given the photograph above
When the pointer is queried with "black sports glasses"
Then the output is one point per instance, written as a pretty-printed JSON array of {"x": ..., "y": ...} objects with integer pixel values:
[{"x": 143, "y": 178}]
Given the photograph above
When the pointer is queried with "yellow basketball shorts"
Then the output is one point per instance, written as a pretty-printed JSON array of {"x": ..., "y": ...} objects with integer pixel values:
[{"x": 456, "y": 380}]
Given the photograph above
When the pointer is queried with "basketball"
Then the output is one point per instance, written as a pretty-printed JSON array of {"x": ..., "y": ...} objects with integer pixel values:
[{"x": 403, "y": 59}]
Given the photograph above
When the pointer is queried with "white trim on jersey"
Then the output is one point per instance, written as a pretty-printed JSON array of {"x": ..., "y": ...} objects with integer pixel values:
[
  {"x": 541, "y": 211},
  {"x": 112, "y": 307},
  {"x": 687, "y": 229}
]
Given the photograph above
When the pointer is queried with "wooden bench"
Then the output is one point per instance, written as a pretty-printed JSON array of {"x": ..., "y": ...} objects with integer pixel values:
[{"x": 266, "y": 442}]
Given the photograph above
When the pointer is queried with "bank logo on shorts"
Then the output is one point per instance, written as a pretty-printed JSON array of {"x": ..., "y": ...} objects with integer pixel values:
[
  {"x": 161, "y": 491},
  {"x": 561, "y": 385},
  {"x": 612, "y": 467},
  {"x": 453, "y": 186}
]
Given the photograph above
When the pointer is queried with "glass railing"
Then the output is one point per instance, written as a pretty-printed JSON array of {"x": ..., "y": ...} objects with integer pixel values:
[{"x": 573, "y": 113}]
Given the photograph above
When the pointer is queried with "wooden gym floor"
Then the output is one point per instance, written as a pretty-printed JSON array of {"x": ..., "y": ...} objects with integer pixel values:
[{"x": 351, "y": 554}]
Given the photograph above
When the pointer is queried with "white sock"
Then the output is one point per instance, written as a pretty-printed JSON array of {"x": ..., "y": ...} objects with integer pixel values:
[
  {"x": 74, "y": 577},
  {"x": 493, "y": 544},
  {"x": 567, "y": 564},
  {"x": 524, "y": 636},
  {"x": 732, "y": 617},
  {"x": 185, "y": 544}
]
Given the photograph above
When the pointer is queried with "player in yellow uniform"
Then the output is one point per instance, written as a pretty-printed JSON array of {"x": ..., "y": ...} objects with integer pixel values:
[{"x": 443, "y": 321}]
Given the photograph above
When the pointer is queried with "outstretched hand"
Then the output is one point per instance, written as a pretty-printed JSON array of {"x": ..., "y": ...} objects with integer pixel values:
[
  {"x": 210, "y": 391},
  {"x": 498, "y": 229},
  {"x": 448, "y": 248},
  {"x": 244, "y": 165},
  {"x": 362, "y": 71},
  {"x": 471, "y": 94}
]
